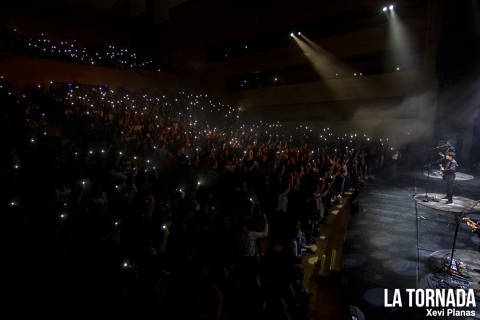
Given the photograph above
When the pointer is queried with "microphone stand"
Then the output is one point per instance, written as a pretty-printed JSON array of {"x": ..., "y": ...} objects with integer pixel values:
[
  {"x": 439, "y": 147},
  {"x": 427, "y": 184}
]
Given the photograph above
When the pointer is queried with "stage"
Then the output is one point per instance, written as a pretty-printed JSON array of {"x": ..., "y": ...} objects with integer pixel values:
[
  {"x": 393, "y": 239},
  {"x": 459, "y": 176},
  {"x": 460, "y": 204}
]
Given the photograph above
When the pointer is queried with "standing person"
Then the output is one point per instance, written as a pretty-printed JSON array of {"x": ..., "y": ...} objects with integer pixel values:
[
  {"x": 249, "y": 241},
  {"x": 319, "y": 194},
  {"x": 449, "y": 147},
  {"x": 449, "y": 167}
]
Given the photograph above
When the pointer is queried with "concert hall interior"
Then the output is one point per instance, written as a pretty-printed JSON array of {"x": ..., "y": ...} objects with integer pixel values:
[{"x": 256, "y": 159}]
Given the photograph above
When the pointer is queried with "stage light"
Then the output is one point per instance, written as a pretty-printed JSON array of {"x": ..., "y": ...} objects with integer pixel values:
[
  {"x": 390, "y": 7},
  {"x": 299, "y": 33},
  {"x": 291, "y": 34},
  {"x": 275, "y": 79},
  {"x": 384, "y": 9},
  {"x": 398, "y": 68}
]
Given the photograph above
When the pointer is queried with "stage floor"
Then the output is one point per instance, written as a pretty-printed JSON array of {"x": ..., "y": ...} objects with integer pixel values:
[
  {"x": 459, "y": 205},
  {"x": 389, "y": 241},
  {"x": 459, "y": 176}
]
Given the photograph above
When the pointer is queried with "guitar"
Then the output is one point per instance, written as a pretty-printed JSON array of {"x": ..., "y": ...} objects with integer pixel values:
[
  {"x": 442, "y": 170},
  {"x": 472, "y": 224},
  {"x": 447, "y": 167}
]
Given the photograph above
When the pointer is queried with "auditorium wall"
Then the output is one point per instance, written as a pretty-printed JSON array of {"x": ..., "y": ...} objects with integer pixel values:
[{"x": 393, "y": 104}]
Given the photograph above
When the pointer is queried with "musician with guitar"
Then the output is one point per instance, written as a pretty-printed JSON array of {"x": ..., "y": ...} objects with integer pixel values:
[
  {"x": 449, "y": 167},
  {"x": 472, "y": 224}
]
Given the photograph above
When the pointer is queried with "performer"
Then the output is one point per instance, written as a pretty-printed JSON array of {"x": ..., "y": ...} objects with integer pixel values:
[
  {"x": 474, "y": 225},
  {"x": 449, "y": 167},
  {"x": 449, "y": 148}
]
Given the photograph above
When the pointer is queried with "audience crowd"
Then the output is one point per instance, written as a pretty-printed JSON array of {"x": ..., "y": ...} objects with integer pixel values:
[
  {"x": 177, "y": 203},
  {"x": 41, "y": 46}
]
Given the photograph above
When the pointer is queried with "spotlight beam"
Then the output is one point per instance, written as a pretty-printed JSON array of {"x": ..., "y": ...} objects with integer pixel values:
[
  {"x": 328, "y": 68},
  {"x": 399, "y": 41},
  {"x": 326, "y": 64}
]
